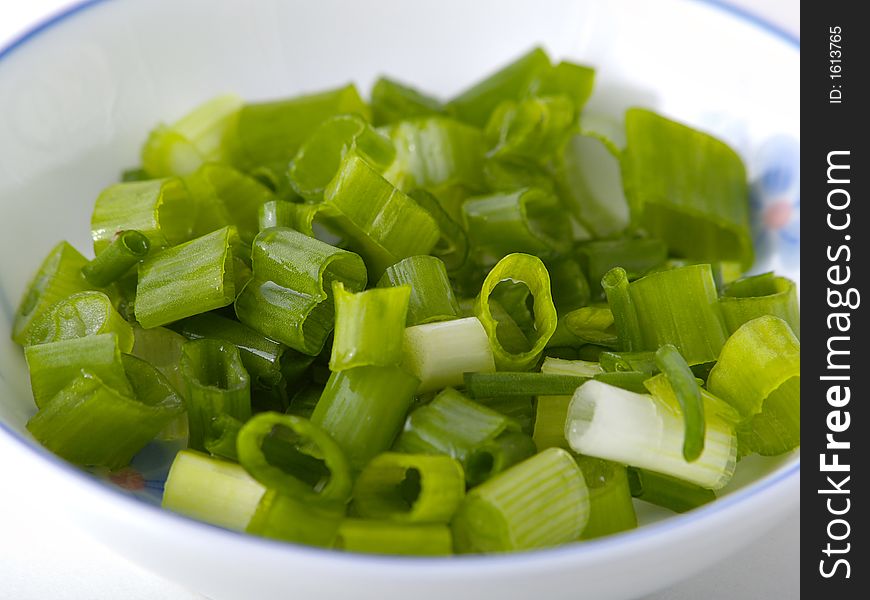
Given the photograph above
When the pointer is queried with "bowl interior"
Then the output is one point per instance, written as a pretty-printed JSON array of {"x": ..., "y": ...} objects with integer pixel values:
[{"x": 77, "y": 100}]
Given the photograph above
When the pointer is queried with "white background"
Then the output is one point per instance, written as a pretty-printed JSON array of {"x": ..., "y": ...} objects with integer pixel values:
[{"x": 43, "y": 557}]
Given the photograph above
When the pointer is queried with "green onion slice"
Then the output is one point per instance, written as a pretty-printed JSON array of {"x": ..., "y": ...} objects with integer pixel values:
[
  {"x": 759, "y": 295},
  {"x": 91, "y": 423},
  {"x": 369, "y": 327},
  {"x": 319, "y": 158},
  {"x": 385, "y": 537},
  {"x": 668, "y": 492},
  {"x": 161, "y": 209},
  {"x": 680, "y": 307},
  {"x": 438, "y": 354},
  {"x": 80, "y": 315},
  {"x": 610, "y": 507},
  {"x": 290, "y": 297},
  {"x": 648, "y": 432},
  {"x": 59, "y": 276},
  {"x": 688, "y": 394},
  {"x": 363, "y": 409},
  {"x": 216, "y": 383},
  {"x": 431, "y": 295},
  {"x": 758, "y": 373},
  {"x": 410, "y": 488},
  {"x": 128, "y": 248},
  {"x": 529, "y": 270},
  {"x": 686, "y": 188},
  {"x": 522, "y": 221},
  {"x": 197, "y": 137},
  {"x": 306, "y": 463},
  {"x": 393, "y": 101},
  {"x": 211, "y": 490},
  {"x": 540, "y": 502},
  {"x": 53, "y": 365},
  {"x": 186, "y": 280}
]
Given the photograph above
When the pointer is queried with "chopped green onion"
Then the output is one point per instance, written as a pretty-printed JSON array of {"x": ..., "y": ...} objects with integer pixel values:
[
  {"x": 431, "y": 296},
  {"x": 647, "y": 432},
  {"x": 551, "y": 413},
  {"x": 668, "y": 492},
  {"x": 393, "y": 101},
  {"x": 512, "y": 81},
  {"x": 589, "y": 180},
  {"x": 487, "y": 385},
  {"x": 540, "y": 502},
  {"x": 526, "y": 220},
  {"x": 158, "y": 208},
  {"x": 307, "y": 464},
  {"x": 211, "y": 490},
  {"x": 216, "y": 383},
  {"x": 290, "y": 297},
  {"x": 439, "y": 353},
  {"x": 369, "y": 327},
  {"x": 52, "y": 366},
  {"x": 687, "y": 188},
  {"x": 363, "y": 409},
  {"x": 531, "y": 129},
  {"x": 221, "y": 437},
  {"x": 196, "y": 138},
  {"x": 759, "y": 295},
  {"x": 496, "y": 455},
  {"x": 614, "y": 362},
  {"x": 529, "y": 270},
  {"x": 622, "y": 307},
  {"x": 59, "y": 276},
  {"x": 688, "y": 393},
  {"x": 384, "y": 537},
  {"x": 90, "y": 423},
  {"x": 437, "y": 153},
  {"x": 305, "y": 399},
  {"x": 161, "y": 348},
  {"x": 577, "y": 368},
  {"x": 573, "y": 80},
  {"x": 569, "y": 284},
  {"x": 377, "y": 220},
  {"x": 636, "y": 256},
  {"x": 128, "y": 248},
  {"x": 680, "y": 307},
  {"x": 758, "y": 373},
  {"x": 592, "y": 325},
  {"x": 261, "y": 356},
  {"x": 186, "y": 280},
  {"x": 409, "y": 488},
  {"x": 225, "y": 196},
  {"x": 319, "y": 158},
  {"x": 633, "y": 381},
  {"x": 452, "y": 246},
  {"x": 282, "y": 517},
  {"x": 134, "y": 174},
  {"x": 451, "y": 424},
  {"x": 610, "y": 506},
  {"x": 518, "y": 408},
  {"x": 278, "y": 213},
  {"x": 80, "y": 315},
  {"x": 268, "y": 134}
]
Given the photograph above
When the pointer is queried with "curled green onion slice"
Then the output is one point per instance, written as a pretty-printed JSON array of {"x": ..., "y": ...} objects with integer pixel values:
[{"x": 304, "y": 462}]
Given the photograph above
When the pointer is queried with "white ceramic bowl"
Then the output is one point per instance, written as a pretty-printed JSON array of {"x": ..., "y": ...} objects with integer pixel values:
[{"x": 78, "y": 95}]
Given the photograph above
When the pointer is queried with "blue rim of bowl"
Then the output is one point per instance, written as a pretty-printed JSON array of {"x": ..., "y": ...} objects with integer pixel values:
[{"x": 679, "y": 522}]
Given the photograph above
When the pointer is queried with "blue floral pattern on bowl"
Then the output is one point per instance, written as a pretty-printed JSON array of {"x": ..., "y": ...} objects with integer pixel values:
[{"x": 775, "y": 202}]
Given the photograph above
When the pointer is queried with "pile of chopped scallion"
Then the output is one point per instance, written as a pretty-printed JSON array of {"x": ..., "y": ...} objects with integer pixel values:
[{"x": 406, "y": 326}]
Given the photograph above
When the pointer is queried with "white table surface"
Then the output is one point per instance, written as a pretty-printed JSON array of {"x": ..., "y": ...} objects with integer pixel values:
[{"x": 43, "y": 557}]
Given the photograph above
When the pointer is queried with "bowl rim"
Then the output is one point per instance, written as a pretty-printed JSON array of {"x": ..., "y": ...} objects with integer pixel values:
[{"x": 787, "y": 472}]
